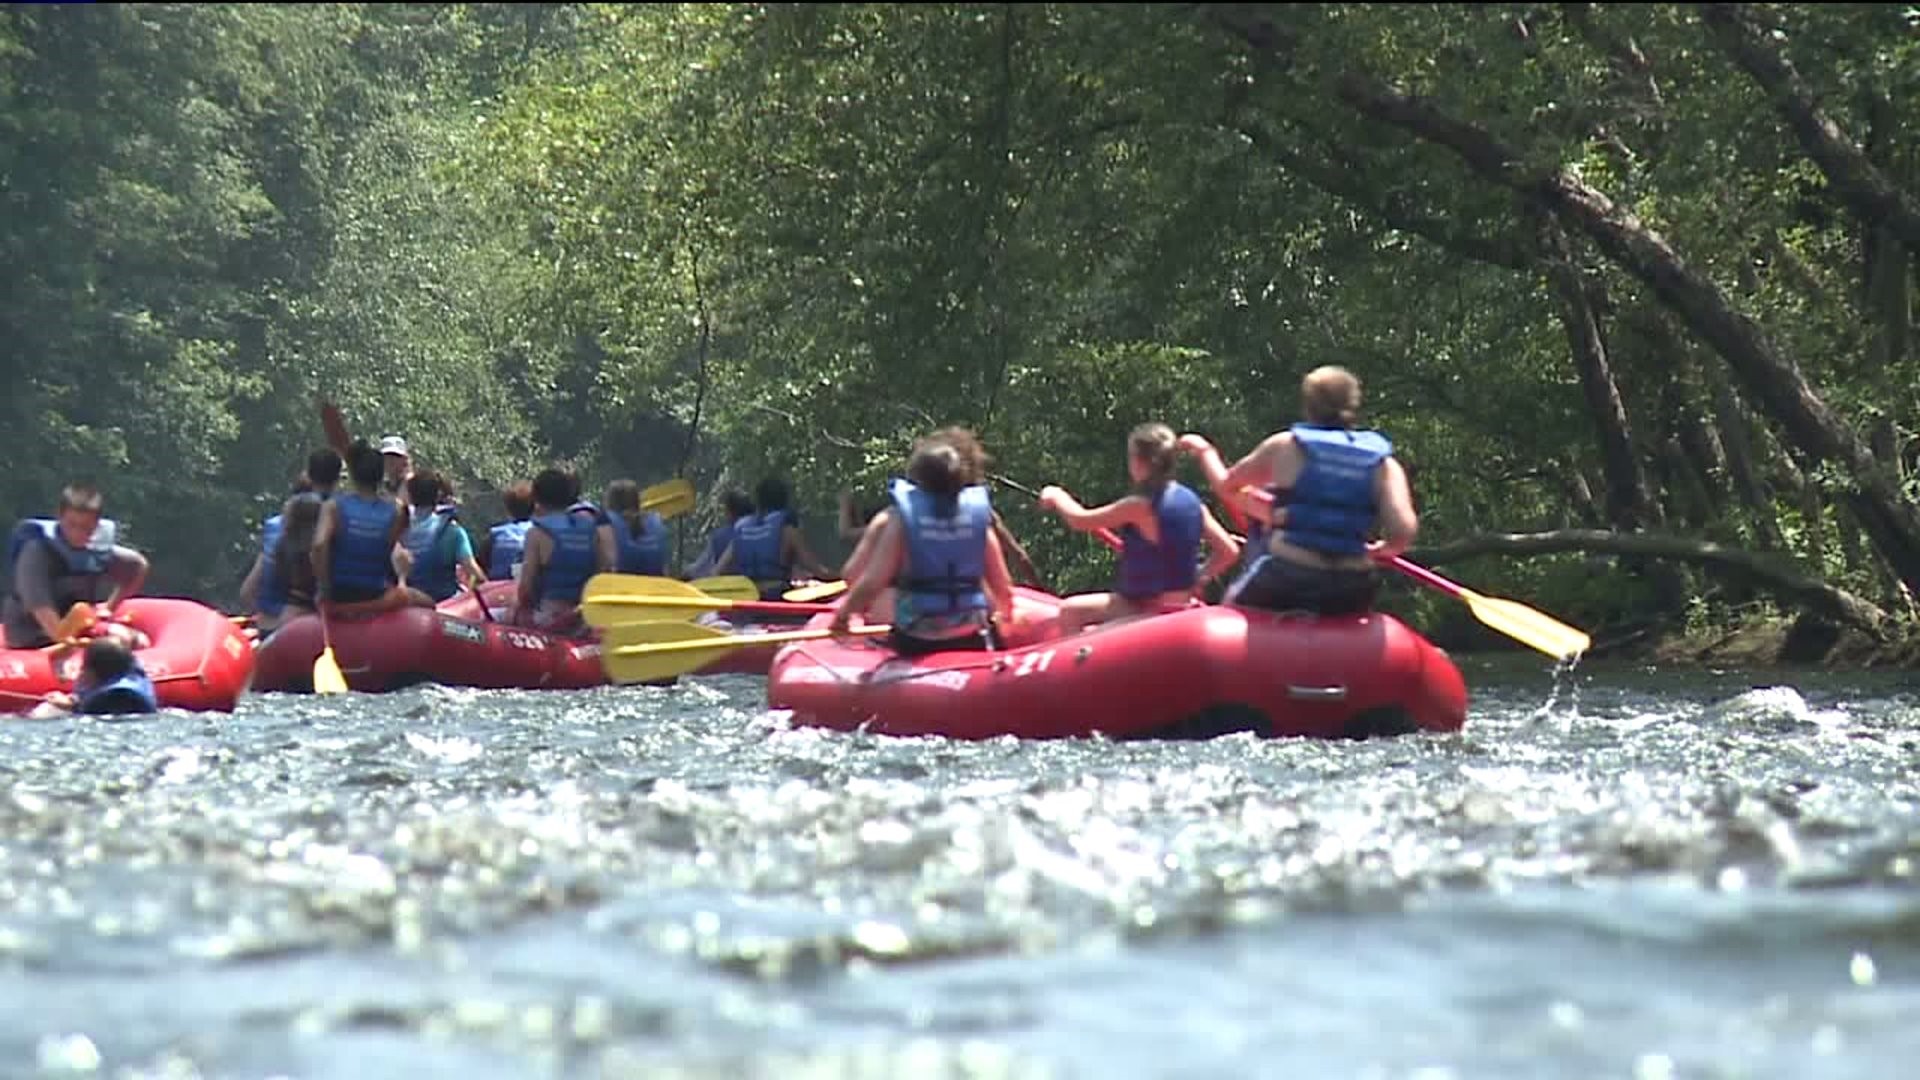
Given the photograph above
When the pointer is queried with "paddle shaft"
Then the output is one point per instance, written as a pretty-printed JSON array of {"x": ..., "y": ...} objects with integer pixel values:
[
  {"x": 739, "y": 641},
  {"x": 1106, "y": 536},
  {"x": 706, "y": 603}
]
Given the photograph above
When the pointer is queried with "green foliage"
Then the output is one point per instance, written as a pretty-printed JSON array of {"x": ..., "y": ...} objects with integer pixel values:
[{"x": 729, "y": 240}]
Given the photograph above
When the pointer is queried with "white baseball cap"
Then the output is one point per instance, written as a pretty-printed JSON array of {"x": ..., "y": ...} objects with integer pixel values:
[{"x": 393, "y": 444}]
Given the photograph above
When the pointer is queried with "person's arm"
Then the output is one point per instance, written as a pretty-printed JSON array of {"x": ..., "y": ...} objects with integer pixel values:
[
  {"x": 483, "y": 550},
  {"x": 322, "y": 552},
  {"x": 33, "y": 580},
  {"x": 533, "y": 563},
  {"x": 851, "y": 528},
  {"x": 799, "y": 555},
  {"x": 1254, "y": 470},
  {"x": 606, "y": 549},
  {"x": 1399, "y": 524},
  {"x": 462, "y": 544},
  {"x": 1132, "y": 510},
  {"x": 128, "y": 570},
  {"x": 1222, "y": 549},
  {"x": 1010, "y": 545},
  {"x": 250, "y": 588},
  {"x": 856, "y": 563},
  {"x": 396, "y": 541},
  {"x": 997, "y": 582},
  {"x": 883, "y": 564}
]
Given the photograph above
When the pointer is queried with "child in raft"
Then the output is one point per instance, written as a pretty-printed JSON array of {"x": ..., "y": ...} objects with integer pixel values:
[{"x": 1161, "y": 524}]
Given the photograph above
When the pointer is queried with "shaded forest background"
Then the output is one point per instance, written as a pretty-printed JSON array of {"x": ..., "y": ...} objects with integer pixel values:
[{"x": 1630, "y": 286}]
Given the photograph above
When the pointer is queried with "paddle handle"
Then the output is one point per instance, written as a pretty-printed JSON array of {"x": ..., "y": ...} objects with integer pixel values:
[{"x": 741, "y": 641}]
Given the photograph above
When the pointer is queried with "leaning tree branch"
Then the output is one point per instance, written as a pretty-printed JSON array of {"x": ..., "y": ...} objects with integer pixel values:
[
  {"x": 1343, "y": 183},
  {"x": 1783, "y": 580},
  {"x": 1864, "y": 188}
]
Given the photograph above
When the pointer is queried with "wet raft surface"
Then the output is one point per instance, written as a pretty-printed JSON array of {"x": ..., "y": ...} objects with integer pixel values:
[{"x": 1645, "y": 876}]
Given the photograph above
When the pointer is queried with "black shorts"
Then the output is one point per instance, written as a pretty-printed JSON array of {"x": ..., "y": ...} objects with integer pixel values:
[
  {"x": 983, "y": 639},
  {"x": 1276, "y": 584}
]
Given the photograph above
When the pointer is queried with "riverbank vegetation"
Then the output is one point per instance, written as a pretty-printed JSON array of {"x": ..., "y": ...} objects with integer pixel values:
[{"x": 1630, "y": 286}]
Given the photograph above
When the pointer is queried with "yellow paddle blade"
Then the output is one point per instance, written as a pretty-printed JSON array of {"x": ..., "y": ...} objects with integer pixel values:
[
  {"x": 327, "y": 677},
  {"x": 669, "y": 499},
  {"x": 653, "y": 652},
  {"x": 600, "y": 585},
  {"x": 808, "y": 594},
  {"x": 1527, "y": 626},
  {"x": 731, "y": 587},
  {"x": 619, "y": 609}
]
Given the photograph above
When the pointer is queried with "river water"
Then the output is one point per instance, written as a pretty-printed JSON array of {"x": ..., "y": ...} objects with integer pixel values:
[{"x": 1613, "y": 873}]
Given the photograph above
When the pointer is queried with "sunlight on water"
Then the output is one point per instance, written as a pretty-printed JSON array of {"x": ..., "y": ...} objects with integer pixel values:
[{"x": 1608, "y": 873}]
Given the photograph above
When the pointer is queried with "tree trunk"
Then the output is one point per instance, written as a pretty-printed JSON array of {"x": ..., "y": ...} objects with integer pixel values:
[
  {"x": 1580, "y": 495},
  {"x": 1785, "y": 581},
  {"x": 1773, "y": 380},
  {"x": 1851, "y": 174},
  {"x": 1629, "y": 504},
  {"x": 1694, "y": 505},
  {"x": 1731, "y": 419}
]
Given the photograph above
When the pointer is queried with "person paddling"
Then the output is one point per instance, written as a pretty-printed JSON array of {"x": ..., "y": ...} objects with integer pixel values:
[
  {"x": 639, "y": 536},
  {"x": 264, "y": 592},
  {"x": 1161, "y": 524},
  {"x": 736, "y": 504},
  {"x": 439, "y": 548},
  {"x": 68, "y": 559},
  {"x": 768, "y": 544},
  {"x": 1334, "y": 484},
  {"x": 354, "y": 546},
  {"x": 566, "y": 546},
  {"x": 938, "y": 550},
  {"x": 505, "y": 543}
]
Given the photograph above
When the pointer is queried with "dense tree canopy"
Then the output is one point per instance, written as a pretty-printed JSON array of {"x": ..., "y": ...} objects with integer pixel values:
[{"x": 1633, "y": 273}]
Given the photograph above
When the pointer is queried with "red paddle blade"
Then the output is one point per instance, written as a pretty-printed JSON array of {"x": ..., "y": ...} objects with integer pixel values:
[{"x": 335, "y": 426}]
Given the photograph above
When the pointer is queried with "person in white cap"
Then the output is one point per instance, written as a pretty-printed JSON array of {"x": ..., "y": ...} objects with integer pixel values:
[{"x": 393, "y": 449}]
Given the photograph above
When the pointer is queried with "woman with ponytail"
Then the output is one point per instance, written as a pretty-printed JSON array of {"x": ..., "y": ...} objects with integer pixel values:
[
  {"x": 936, "y": 552},
  {"x": 1160, "y": 523}
]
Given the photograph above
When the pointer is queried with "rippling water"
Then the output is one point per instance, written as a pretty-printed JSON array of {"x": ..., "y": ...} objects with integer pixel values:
[{"x": 1630, "y": 875}]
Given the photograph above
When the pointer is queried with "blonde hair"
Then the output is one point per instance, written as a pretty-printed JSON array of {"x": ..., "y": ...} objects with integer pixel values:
[
  {"x": 1154, "y": 444},
  {"x": 1330, "y": 395}
]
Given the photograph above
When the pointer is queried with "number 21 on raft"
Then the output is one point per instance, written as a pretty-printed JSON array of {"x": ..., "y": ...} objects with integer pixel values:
[{"x": 1033, "y": 662}]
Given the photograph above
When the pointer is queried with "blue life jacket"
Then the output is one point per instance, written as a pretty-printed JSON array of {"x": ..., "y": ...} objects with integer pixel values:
[
  {"x": 509, "y": 546},
  {"x": 757, "y": 543},
  {"x": 717, "y": 543},
  {"x": 77, "y": 571},
  {"x": 642, "y": 554},
  {"x": 1148, "y": 569},
  {"x": 946, "y": 548},
  {"x": 362, "y": 557},
  {"x": 573, "y": 560},
  {"x": 1332, "y": 508},
  {"x": 434, "y": 567},
  {"x": 130, "y": 693},
  {"x": 273, "y": 591}
]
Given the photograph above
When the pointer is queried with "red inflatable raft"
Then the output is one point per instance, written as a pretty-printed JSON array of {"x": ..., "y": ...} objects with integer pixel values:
[
  {"x": 1197, "y": 673},
  {"x": 455, "y": 644},
  {"x": 198, "y": 659}
]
